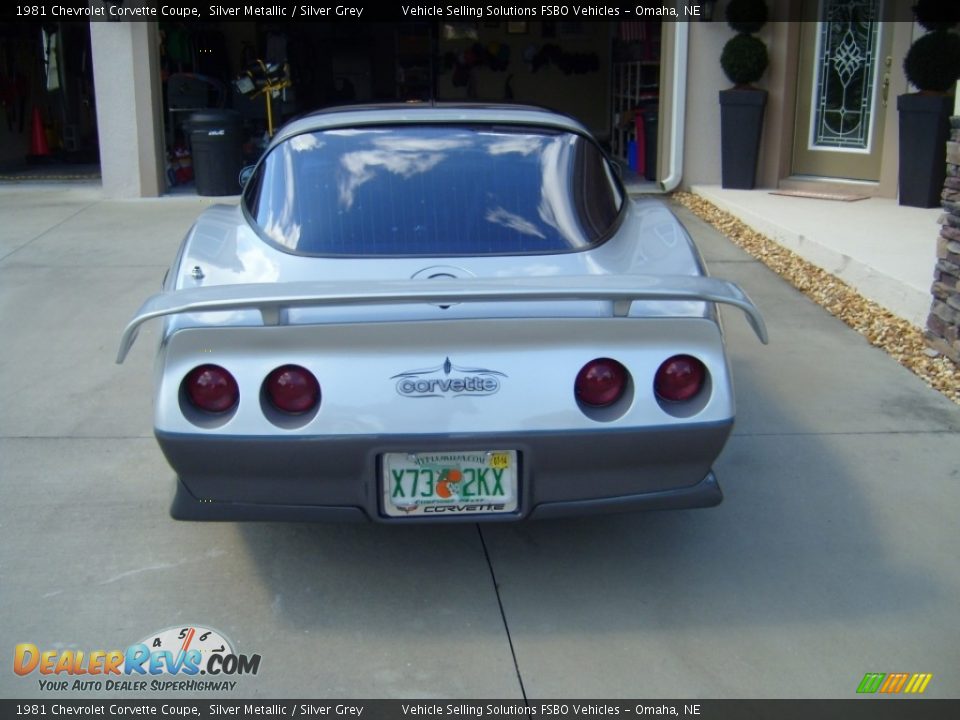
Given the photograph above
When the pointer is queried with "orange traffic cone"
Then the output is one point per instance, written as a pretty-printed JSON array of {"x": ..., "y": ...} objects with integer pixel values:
[{"x": 38, "y": 138}]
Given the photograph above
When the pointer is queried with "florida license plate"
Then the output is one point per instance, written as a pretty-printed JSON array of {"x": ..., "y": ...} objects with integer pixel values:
[{"x": 435, "y": 484}]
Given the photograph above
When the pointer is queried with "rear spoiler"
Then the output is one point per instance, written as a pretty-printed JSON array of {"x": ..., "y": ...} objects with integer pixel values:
[{"x": 270, "y": 298}]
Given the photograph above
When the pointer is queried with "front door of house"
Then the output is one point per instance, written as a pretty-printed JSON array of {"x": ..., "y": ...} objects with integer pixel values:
[{"x": 842, "y": 90}]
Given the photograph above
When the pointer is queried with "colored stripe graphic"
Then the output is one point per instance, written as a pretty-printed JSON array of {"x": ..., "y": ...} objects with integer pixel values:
[
  {"x": 871, "y": 682},
  {"x": 918, "y": 683},
  {"x": 894, "y": 682}
]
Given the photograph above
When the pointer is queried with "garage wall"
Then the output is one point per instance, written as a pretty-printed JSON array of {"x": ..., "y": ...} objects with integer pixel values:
[
  {"x": 22, "y": 66},
  {"x": 705, "y": 79},
  {"x": 14, "y": 144},
  {"x": 585, "y": 96},
  {"x": 21, "y": 46}
]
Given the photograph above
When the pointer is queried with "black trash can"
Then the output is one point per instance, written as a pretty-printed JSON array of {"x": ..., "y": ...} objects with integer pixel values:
[{"x": 216, "y": 143}]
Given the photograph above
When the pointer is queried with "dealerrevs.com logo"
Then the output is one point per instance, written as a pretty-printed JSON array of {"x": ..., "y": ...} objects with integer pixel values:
[{"x": 170, "y": 660}]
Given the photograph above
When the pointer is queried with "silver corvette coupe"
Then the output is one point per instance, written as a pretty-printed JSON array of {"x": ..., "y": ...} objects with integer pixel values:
[{"x": 439, "y": 314}]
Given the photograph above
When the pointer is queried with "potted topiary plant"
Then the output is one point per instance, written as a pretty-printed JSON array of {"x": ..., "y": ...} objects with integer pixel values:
[
  {"x": 932, "y": 65},
  {"x": 744, "y": 60}
]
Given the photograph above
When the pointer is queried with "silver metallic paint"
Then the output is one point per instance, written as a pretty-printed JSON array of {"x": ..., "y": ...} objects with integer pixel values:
[{"x": 640, "y": 297}]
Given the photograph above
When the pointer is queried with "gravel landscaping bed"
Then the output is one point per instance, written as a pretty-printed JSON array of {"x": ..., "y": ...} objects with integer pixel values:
[{"x": 897, "y": 337}]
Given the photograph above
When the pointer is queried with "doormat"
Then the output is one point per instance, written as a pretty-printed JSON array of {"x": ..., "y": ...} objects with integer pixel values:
[{"x": 820, "y": 195}]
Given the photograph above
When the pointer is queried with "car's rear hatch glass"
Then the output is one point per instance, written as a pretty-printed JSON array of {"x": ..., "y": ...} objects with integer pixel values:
[{"x": 434, "y": 190}]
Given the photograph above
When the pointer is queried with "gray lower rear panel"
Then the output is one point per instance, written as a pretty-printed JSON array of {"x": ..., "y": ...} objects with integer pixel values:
[{"x": 574, "y": 471}]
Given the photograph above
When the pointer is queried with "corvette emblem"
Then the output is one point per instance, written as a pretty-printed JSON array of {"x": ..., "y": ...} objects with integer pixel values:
[{"x": 448, "y": 380}]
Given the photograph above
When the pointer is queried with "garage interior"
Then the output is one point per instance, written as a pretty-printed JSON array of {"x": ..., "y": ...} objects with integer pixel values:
[{"x": 606, "y": 74}]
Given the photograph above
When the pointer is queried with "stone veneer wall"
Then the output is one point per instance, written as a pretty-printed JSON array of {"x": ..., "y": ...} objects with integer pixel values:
[{"x": 943, "y": 324}]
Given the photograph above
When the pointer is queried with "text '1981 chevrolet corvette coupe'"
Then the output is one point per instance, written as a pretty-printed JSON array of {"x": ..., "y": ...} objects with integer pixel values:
[{"x": 439, "y": 313}]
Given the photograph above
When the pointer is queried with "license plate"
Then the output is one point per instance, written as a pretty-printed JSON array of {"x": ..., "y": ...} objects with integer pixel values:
[{"x": 436, "y": 484}]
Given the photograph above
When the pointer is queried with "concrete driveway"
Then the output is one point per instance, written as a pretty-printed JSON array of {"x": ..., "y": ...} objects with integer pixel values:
[{"x": 834, "y": 553}]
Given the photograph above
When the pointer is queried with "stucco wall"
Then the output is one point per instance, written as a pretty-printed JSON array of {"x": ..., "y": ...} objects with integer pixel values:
[
  {"x": 705, "y": 79},
  {"x": 126, "y": 77}
]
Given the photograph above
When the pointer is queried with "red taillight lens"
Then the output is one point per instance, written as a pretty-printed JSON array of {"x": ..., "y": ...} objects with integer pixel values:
[
  {"x": 211, "y": 388},
  {"x": 292, "y": 389},
  {"x": 679, "y": 378},
  {"x": 601, "y": 382}
]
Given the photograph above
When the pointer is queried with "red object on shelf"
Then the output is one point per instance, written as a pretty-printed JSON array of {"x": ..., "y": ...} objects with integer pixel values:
[{"x": 38, "y": 137}]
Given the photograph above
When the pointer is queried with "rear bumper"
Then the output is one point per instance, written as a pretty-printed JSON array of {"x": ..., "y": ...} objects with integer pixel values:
[
  {"x": 706, "y": 493},
  {"x": 319, "y": 479}
]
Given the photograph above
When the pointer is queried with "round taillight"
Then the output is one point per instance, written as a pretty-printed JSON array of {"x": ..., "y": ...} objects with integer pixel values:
[
  {"x": 292, "y": 389},
  {"x": 601, "y": 382},
  {"x": 211, "y": 388},
  {"x": 679, "y": 378}
]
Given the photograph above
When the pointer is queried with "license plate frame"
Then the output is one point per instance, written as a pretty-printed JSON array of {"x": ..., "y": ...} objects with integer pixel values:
[{"x": 410, "y": 483}]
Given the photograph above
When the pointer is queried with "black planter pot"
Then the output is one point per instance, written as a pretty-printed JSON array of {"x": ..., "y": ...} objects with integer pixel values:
[
  {"x": 741, "y": 124},
  {"x": 924, "y": 129}
]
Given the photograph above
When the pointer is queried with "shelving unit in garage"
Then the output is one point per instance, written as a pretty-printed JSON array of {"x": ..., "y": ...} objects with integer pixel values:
[{"x": 635, "y": 96}]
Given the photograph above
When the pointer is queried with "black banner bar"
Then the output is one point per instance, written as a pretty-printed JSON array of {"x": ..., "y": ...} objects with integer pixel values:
[
  {"x": 873, "y": 708},
  {"x": 412, "y": 11}
]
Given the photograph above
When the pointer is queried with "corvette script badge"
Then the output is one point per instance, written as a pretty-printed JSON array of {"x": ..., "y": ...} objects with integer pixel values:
[{"x": 448, "y": 380}]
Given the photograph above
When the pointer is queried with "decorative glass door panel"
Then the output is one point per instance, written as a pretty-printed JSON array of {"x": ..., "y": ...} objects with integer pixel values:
[{"x": 840, "y": 103}]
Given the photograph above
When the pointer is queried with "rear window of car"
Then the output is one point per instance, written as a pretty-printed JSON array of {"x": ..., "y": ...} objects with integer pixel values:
[{"x": 429, "y": 190}]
